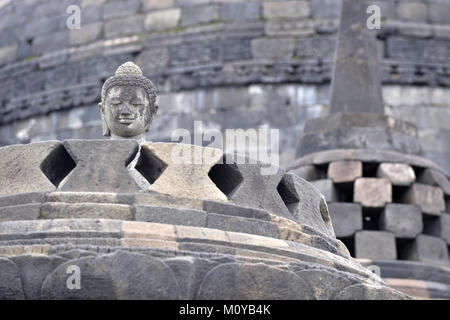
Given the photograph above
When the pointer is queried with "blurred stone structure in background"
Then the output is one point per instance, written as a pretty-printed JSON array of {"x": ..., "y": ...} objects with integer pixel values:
[
  {"x": 387, "y": 203},
  {"x": 232, "y": 64}
]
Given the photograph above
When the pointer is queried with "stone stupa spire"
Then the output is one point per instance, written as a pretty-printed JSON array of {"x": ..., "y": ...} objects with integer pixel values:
[
  {"x": 356, "y": 84},
  {"x": 356, "y": 117},
  {"x": 387, "y": 203}
]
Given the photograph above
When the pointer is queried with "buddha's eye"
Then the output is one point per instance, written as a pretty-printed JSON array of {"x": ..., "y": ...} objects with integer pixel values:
[
  {"x": 115, "y": 102},
  {"x": 136, "y": 102}
]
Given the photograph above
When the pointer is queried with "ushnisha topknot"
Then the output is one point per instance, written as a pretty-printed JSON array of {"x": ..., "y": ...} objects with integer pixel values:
[
  {"x": 129, "y": 74},
  {"x": 128, "y": 68}
]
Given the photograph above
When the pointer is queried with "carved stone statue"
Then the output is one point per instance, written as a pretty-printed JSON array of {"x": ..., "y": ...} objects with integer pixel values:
[{"x": 128, "y": 105}]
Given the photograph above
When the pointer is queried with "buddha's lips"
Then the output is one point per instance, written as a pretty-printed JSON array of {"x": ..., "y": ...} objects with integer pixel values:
[{"x": 126, "y": 120}]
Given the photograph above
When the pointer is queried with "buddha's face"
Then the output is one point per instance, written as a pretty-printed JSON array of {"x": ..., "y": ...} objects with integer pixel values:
[{"x": 126, "y": 111}]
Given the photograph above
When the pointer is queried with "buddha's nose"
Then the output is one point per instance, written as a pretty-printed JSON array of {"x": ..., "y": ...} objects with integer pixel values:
[{"x": 125, "y": 110}]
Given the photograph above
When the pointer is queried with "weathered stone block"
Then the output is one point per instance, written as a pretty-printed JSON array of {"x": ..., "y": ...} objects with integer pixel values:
[
  {"x": 120, "y": 8},
  {"x": 233, "y": 210},
  {"x": 92, "y": 197},
  {"x": 417, "y": 30},
  {"x": 184, "y": 3},
  {"x": 429, "y": 198},
  {"x": 194, "y": 52},
  {"x": 8, "y": 53},
  {"x": 60, "y": 228},
  {"x": 403, "y": 220},
  {"x": 162, "y": 20},
  {"x": 21, "y": 168},
  {"x": 193, "y": 15},
  {"x": 439, "y": 11},
  {"x": 85, "y": 3},
  {"x": 315, "y": 47},
  {"x": 188, "y": 271},
  {"x": 409, "y": 48},
  {"x": 33, "y": 270},
  {"x": 206, "y": 235},
  {"x": 286, "y": 9},
  {"x": 439, "y": 227},
  {"x": 333, "y": 282},
  {"x": 290, "y": 28},
  {"x": 388, "y": 8},
  {"x": 54, "y": 210},
  {"x": 412, "y": 11},
  {"x": 240, "y": 11},
  {"x": 86, "y": 34},
  {"x": 144, "y": 230},
  {"x": 20, "y": 212},
  {"x": 250, "y": 184},
  {"x": 347, "y": 119},
  {"x": 375, "y": 245},
  {"x": 24, "y": 198},
  {"x": 346, "y": 218},
  {"x": 125, "y": 26},
  {"x": 148, "y": 5},
  {"x": 325, "y": 9},
  {"x": 250, "y": 282},
  {"x": 306, "y": 204},
  {"x": 273, "y": 48},
  {"x": 427, "y": 249},
  {"x": 38, "y": 27},
  {"x": 327, "y": 188},
  {"x": 121, "y": 275},
  {"x": 153, "y": 58},
  {"x": 183, "y": 170},
  {"x": 435, "y": 178},
  {"x": 91, "y": 174},
  {"x": 399, "y": 174},
  {"x": 309, "y": 173},
  {"x": 372, "y": 192},
  {"x": 50, "y": 42},
  {"x": 171, "y": 216},
  {"x": 344, "y": 171},
  {"x": 338, "y": 131},
  {"x": 235, "y": 48},
  {"x": 157, "y": 199},
  {"x": 92, "y": 13},
  {"x": 370, "y": 292},
  {"x": 10, "y": 281},
  {"x": 244, "y": 225}
]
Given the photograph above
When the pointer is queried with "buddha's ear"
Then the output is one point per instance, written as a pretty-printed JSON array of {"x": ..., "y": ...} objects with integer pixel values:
[
  {"x": 152, "y": 118},
  {"x": 155, "y": 112},
  {"x": 106, "y": 130}
]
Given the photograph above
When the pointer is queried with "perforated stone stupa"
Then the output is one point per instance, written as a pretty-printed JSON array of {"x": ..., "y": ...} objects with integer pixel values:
[
  {"x": 388, "y": 204},
  {"x": 194, "y": 230}
]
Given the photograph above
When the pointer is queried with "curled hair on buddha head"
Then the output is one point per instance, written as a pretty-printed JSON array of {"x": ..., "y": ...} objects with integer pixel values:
[{"x": 129, "y": 74}]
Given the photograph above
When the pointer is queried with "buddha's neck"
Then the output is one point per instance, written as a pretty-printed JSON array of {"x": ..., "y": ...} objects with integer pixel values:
[{"x": 140, "y": 138}]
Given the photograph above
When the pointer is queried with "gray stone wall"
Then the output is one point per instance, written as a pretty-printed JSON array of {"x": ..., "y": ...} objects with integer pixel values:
[{"x": 232, "y": 64}]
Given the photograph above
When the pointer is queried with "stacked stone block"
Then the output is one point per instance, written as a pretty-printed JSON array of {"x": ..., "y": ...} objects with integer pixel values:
[{"x": 383, "y": 205}]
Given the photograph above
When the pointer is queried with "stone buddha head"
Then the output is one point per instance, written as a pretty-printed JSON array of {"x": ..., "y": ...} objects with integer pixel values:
[{"x": 128, "y": 105}]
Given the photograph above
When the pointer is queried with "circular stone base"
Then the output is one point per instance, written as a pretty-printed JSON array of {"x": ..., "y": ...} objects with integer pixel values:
[{"x": 114, "y": 259}]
